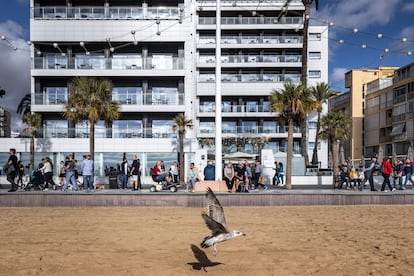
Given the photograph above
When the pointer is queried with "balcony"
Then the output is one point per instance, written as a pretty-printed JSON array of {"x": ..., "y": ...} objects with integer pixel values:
[
  {"x": 124, "y": 98},
  {"x": 251, "y": 20},
  {"x": 243, "y": 131},
  {"x": 283, "y": 40},
  {"x": 235, "y": 78},
  {"x": 101, "y": 13},
  {"x": 89, "y": 62},
  {"x": 235, "y": 108},
  {"x": 110, "y": 133},
  {"x": 243, "y": 59}
]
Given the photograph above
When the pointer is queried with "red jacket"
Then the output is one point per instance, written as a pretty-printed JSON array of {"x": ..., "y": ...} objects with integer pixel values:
[{"x": 386, "y": 167}]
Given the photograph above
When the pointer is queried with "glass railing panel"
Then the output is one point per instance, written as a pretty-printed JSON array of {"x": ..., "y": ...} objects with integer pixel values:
[
  {"x": 126, "y": 62},
  {"x": 207, "y": 40}
]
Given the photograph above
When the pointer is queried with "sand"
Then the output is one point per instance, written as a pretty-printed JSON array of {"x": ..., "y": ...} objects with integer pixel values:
[{"x": 329, "y": 240}]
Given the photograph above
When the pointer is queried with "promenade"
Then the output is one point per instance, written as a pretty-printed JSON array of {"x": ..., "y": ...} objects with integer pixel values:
[{"x": 274, "y": 196}]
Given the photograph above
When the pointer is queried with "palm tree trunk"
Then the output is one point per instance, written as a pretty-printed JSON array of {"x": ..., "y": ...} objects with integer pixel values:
[
  {"x": 92, "y": 139},
  {"x": 32, "y": 153},
  {"x": 315, "y": 148},
  {"x": 289, "y": 155},
  {"x": 304, "y": 140},
  {"x": 181, "y": 161},
  {"x": 335, "y": 159}
]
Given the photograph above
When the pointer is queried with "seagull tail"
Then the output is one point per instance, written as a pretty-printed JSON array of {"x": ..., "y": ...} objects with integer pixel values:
[{"x": 206, "y": 242}]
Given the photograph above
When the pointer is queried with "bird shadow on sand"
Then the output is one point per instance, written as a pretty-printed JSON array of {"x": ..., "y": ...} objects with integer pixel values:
[{"x": 202, "y": 259}]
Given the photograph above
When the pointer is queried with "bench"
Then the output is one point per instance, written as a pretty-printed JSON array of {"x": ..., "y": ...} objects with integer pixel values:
[{"x": 215, "y": 185}]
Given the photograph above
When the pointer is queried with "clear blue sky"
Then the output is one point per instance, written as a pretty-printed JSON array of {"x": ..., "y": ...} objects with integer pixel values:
[{"x": 390, "y": 18}]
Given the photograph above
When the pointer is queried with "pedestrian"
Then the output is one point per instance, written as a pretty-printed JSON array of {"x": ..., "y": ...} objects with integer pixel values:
[
  {"x": 87, "y": 173},
  {"x": 249, "y": 178},
  {"x": 20, "y": 174},
  {"x": 369, "y": 173},
  {"x": 12, "y": 169},
  {"x": 134, "y": 172},
  {"x": 70, "y": 166},
  {"x": 408, "y": 171},
  {"x": 398, "y": 174},
  {"x": 62, "y": 173},
  {"x": 47, "y": 170},
  {"x": 258, "y": 171},
  {"x": 124, "y": 172},
  {"x": 174, "y": 172},
  {"x": 275, "y": 180},
  {"x": 281, "y": 174},
  {"x": 386, "y": 172}
]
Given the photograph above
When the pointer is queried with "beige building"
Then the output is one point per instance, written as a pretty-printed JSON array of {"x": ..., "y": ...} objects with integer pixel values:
[
  {"x": 389, "y": 113},
  {"x": 353, "y": 103},
  {"x": 4, "y": 123}
]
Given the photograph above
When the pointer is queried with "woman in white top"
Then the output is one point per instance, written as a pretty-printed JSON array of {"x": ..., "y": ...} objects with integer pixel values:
[{"x": 47, "y": 171}]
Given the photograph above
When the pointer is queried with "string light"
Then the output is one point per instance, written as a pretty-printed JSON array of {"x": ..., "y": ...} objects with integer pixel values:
[
  {"x": 82, "y": 44},
  {"x": 9, "y": 42},
  {"x": 55, "y": 45}
]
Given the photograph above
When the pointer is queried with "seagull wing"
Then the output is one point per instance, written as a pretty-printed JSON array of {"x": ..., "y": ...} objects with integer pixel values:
[
  {"x": 214, "y": 208},
  {"x": 214, "y": 226}
]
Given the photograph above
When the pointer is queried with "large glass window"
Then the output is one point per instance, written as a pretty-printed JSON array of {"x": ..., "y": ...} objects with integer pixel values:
[
  {"x": 162, "y": 129},
  {"x": 56, "y": 61},
  {"x": 126, "y": 62},
  {"x": 162, "y": 61},
  {"x": 56, "y": 129},
  {"x": 229, "y": 127},
  {"x": 90, "y": 62},
  {"x": 127, "y": 95},
  {"x": 55, "y": 95},
  {"x": 269, "y": 127},
  {"x": 127, "y": 129},
  {"x": 165, "y": 95},
  {"x": 249, "y": 127},
  {"x": 207, "y": 127}
]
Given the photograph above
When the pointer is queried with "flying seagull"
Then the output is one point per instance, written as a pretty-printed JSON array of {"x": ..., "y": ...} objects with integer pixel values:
[{"x": 216, "y": 222}]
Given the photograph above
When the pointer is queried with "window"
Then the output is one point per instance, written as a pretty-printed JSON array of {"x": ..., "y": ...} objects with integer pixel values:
[
  {"x": 315, "y": 36},
  {"x": 312, "y": 125},
  {"x": 314, "y": 73},
  {"x": 311, "y": 145},
  {"x": 314, "y": 55},
  {"x": 127, "y": 129}
]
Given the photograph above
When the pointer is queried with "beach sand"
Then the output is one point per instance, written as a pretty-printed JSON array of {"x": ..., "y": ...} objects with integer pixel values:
[{"x": 326, "y": 240}]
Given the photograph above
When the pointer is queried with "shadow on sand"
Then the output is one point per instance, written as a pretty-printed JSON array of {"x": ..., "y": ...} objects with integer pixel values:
[{"x": 202, "y": 259}]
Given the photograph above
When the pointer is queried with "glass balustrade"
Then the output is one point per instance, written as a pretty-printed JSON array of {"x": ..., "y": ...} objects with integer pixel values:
[
  {"x": 252, "y": 128},
  {"x": 100, "y": 12},
  {"x": 250, "y": 20},
  {"x": 99, "y": 62},
  {"x": 252, "y": 39},
  {"x": 295, "y": 78}
]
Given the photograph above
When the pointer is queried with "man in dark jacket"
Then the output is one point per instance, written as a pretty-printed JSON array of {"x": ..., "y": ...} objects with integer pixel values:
[
  {"x": 209, "y": 171},
  {"x": 12, "y": 169}
]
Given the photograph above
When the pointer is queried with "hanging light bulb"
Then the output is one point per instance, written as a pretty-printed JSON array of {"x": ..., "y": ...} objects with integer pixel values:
[
  {"x": 386, "y": 50},
  {"x": 355, "y": 30},
  {"x": 364, "y": 46},
  {"x": 341, "y": 41},
  {"x": 409, "y": 53},
  {"x": 404, "y": 39},
  {"x": 379, "y": 36},
  {"x": 331, "y": 24}
]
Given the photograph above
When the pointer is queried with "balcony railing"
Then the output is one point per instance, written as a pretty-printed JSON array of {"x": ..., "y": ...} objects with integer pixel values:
[
  {"x": 116, "y": 63},
  {"x": 251, "y": 20},
  {"x": 96, "y": 13},
  {"x": 252, "y": 39},
  {"x": 113, "y": 133},
  {"x": 295, "y": 78},
  {"x": 250, "y": 130},
  {"x": 123, "y": 98},
  {"x": 235, "y": 108},
  {"x": 252, "y": 58}
]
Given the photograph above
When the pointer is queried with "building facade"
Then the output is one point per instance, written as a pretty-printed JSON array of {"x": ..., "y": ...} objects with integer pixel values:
[
  {"x": 389, "y": 116},
  {"x": 354, "y": 103},
  {"x": 160, "y": 57},
  {"x": 5, "y": 130}
]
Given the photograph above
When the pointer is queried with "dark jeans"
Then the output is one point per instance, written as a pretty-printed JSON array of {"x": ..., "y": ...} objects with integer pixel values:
[
  {"x": 10, "y": 177},
  {"x": 386, "y": 182},
  {"x": 49, "y": 179},
  {"x": 229, "y": 183}
]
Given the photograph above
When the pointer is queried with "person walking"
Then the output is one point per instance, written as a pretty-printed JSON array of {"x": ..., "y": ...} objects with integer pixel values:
[
  {"x": 87, "y": 172},
  {"x": 369, "y": 173},
  {"x": 47, "y": 170},
  {"x": 281, "y": 174},
  {"x": 386, "y": 173},
  {"x": 398, "y": 174},
  {"x": 124, "y": 173},
  {"x": 275, "y": 180},
  {"x": 258, "y": 171},
  {"x": 135, "y": 173},
  {"x": 408, "y": 171},
  {"x": 62, "y": 173},
  {"x": 70, "y": 174},
  {"x": 12, "y": 169}
]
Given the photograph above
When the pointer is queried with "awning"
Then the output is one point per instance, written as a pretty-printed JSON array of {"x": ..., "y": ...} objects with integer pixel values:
[{"x": 398, "y": 129}]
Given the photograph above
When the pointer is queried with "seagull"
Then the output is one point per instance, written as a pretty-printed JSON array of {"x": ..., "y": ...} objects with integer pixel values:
[{"x": 216, "y": 222}]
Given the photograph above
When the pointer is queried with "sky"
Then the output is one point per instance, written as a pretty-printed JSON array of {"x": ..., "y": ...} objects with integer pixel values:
[{"x": 380, "y": 25}]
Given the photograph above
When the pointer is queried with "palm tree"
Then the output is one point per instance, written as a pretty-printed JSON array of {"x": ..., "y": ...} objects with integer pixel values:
[
  {"x": 25, "y": 104},
  {"x": 335, "y": 126},
  {"x": 309, "y": 106},
  {"x": 321, "y": 93},
  {"x": 91, "y": 99},
  {"x": 289, "y": 103},
  {"x": 304, "y": 70},
  {"x": 33, "y": 122},
  {"x": 181, "y": 124}
]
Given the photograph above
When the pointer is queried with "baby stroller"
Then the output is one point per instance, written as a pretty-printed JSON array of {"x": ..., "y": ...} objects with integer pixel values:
[{"x": 36, "y": 181}]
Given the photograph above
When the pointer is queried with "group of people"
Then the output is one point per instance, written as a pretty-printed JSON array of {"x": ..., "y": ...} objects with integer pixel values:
[
  {"x": 42, "y": 176},
  {"x": 398, "y": 170}
]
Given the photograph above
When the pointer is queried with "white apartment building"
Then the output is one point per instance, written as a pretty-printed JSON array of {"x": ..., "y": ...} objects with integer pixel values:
[{"x": 160, "y": 57}]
